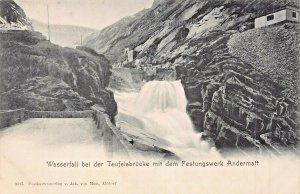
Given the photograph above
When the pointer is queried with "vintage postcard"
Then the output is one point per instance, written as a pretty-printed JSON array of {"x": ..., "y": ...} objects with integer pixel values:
[{"x": 149, "y": 96}]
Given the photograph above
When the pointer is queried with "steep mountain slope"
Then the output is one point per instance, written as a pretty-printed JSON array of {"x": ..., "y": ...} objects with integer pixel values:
[
  {"x": 104, "y": 42},
  {"x": 239, "y": 92},
  {"x": 60, "y": 34},
  {"x": 166, "y": 19},
  {"x": 12, "y": 16},
  {"x": 273, "y": 51},
  {"x": 38, "y": 75}
]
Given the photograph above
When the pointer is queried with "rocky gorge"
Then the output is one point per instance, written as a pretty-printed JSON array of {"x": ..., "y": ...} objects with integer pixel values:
[{"x": 241, "y": 83}]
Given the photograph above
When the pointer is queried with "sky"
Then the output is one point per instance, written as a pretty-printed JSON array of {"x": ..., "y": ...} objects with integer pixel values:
[{"x": 88, "y": 13}]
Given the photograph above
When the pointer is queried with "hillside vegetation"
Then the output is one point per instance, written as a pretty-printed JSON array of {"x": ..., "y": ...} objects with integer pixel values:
[{"x": 38, "y": 75}]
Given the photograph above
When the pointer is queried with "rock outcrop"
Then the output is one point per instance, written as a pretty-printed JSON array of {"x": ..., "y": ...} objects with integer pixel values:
[{"x": 12, "y": 16}]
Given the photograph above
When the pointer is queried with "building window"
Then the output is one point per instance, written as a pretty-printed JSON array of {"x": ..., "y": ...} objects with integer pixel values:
[
  {"x": 270, "y": 17},
  {"x": 294, "y": 14}
]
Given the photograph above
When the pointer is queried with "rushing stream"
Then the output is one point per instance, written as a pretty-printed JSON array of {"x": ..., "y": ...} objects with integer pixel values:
[{"x": 158, "y": 112}]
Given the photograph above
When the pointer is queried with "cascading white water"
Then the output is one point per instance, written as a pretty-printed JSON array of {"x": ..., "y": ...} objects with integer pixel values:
[
  {"x": 159, "y": 110},
  {"x": 161, "y": 96}
]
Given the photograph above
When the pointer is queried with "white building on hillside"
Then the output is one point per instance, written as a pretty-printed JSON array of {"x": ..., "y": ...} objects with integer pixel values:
[
  {"x": 286, "y": 14},
  {"x": 129, "y": 53}
]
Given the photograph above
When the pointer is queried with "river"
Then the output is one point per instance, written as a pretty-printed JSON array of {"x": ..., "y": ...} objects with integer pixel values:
[{"x": 157, "y": 114}]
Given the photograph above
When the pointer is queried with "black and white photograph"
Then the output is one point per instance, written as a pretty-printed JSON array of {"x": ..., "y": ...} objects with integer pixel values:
[{"x": 149, "y": 96}]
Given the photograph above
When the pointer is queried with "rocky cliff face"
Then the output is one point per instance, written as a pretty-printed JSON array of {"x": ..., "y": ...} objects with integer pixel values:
[
  {"x": 241, "y": 83},
  {"x": 12, "y": 16},
  {"x": 38, "y": 75}
]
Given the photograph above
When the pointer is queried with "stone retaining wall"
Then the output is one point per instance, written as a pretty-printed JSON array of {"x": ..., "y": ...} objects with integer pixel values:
[
  {"x": 11, "y": 117},
  {"x": 114, "y": 142},
  {"x": 60, "y": 114}
]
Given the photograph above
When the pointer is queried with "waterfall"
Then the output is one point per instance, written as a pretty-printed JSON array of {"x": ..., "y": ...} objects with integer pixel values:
[
  {"x": 161, "y": 96},
  {"x": 159, "y": 111}
]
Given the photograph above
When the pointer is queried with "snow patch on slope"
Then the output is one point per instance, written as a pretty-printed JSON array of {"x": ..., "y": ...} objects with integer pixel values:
[
  {"x": 12, "y": 26},
  {"x": 151, "y": 40},
  {"x": 190, "y": 12},
  {"x": 213, "y": 19},
  {"x": 167, "y": 40}
]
